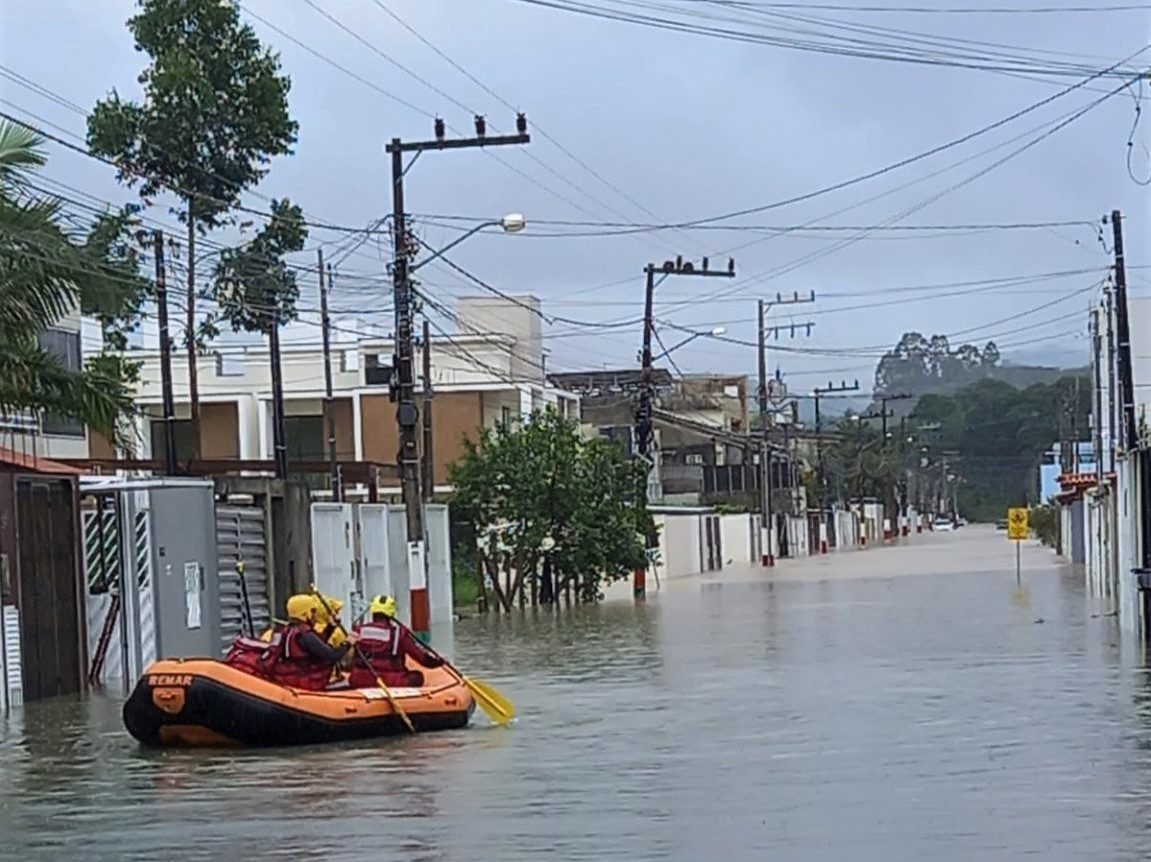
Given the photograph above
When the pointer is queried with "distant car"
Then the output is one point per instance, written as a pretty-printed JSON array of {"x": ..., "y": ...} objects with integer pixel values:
[
  {"x": 961, "y": 522},
  {"x": 1001, "y": 525},
  {"x": 942, "y": 525}
]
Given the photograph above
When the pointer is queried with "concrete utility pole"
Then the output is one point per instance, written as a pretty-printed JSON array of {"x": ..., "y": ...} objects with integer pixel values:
[
  {"x": 165, "y": 359},
  {"x": 279, "y": 436},
  {"x": 819, "y": 392},
  {"x": 643, "y": 413},
  {"x": 765, "y": 456},
  {"x": 429, "y": 478},
  {"x": 329, "y": 412},
  {"x": 1111, "y": 399},
  {"x": 1097, "y": 418},
  {"x": 1129, "y": 434},
  {"x": 407, "y": 413},
  {"x": 883, "y": 399}
]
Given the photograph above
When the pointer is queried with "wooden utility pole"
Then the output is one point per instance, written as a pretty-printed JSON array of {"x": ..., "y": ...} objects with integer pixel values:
[
  {"x": 165, "y": 359},
  {"x": 329, "y": 405}
]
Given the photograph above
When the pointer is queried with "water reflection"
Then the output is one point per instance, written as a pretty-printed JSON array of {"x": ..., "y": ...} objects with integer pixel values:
[{"x": 865, "y": 719}]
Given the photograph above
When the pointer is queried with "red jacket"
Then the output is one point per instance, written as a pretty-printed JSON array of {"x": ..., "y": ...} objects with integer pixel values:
[
  {"x": 386, "y": 644},
  {"x": 302, "y": 667}
]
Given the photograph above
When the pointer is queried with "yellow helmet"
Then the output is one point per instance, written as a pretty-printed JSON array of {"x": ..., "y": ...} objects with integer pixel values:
[
  {"x": 301, "y": 607},
  {"x": 322, "y": 612},
  {"x": 385, "y": 605}
]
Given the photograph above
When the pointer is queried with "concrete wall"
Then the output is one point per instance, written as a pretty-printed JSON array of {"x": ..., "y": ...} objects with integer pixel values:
[
  {"x": 736, "y": 533},
  {"x": 1127, "y": 503}
]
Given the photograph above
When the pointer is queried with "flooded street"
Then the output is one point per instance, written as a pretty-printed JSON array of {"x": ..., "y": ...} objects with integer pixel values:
[{"x": 897, "y": 703}]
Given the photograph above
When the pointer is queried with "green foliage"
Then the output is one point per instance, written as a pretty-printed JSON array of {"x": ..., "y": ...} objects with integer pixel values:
[
  {"x": 46, "y": 273},
  {"x": 918, "y": 364},
  {"x": 214, "y": 109},
  {"x": 860, "y": 463},
  {"x": 540, "y": 492},
  {"x": 998, "y": 435},
  {"x": 213, "y": 114},
  {"x": 1044, "y": 523},
  {"x": 252, "y": 282}
]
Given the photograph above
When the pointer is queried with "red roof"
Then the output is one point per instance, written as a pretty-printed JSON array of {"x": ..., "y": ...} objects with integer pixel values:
[{"x": 28, "y": 461}]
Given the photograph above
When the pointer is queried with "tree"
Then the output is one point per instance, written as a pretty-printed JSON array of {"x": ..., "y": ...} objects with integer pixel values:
[
  {"x": 253, "y": 286},
  {"x": 996, "y": 435},
  {"x": 919, "y": 365},
  {"x": 214, "y": 112},
  {"x": 47, "y": 273},
  {"x": 539, "y": 495}
]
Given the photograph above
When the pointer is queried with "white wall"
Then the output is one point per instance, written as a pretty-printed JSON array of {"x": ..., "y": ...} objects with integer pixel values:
[{"x": 735, "y": 533}]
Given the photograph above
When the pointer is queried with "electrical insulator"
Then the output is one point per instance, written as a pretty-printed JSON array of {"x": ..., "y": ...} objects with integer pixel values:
[
  {"x": 521, "y": 123},
  {"x": 439, "y": 128},
  {"x": 705, "y": 264},
  {"x": 731, "y": 265},
  {"x": 481, "y": 126},
  {"x": 679, "y": 262}
]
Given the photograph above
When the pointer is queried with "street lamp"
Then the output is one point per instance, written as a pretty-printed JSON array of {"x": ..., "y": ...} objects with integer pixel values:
[
  {"x": 511, "y": 223},
  {"x": 714, "y": 333}
]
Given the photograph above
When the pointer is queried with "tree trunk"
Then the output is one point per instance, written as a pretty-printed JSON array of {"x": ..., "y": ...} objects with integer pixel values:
[
  {"x": 547, "y": 583},
  {"x": 501, "y": 595},
  {"x": 193, "y": 383}
]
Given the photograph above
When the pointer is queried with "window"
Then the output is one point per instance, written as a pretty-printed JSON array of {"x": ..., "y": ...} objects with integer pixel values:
[
  {"x": 506, "y": 415},
  {"x": 377, "y": 373},
  {"x": 182, "y": 428},
  {"x": 65, "y": 347},
  {"x": 304, "y": 438},
  {"x": 695, "y": 459}
]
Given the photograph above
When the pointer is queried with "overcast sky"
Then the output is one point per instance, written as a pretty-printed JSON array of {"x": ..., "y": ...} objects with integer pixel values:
[{"x": 680, "y": 127}]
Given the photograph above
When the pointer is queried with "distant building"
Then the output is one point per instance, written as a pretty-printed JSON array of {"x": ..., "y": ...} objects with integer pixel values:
[
  {"x": 703, "y": 446},
  {"x": 492, "y": 369}
]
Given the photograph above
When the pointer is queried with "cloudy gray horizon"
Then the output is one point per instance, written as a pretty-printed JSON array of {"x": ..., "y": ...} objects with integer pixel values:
[{"x": 677, "y": 127}]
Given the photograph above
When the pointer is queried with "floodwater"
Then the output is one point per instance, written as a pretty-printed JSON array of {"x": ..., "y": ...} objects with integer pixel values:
[{"x": 895, "y": 704}]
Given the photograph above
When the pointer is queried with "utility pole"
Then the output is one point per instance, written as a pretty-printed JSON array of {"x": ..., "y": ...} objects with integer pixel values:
[
  {"x": 643, "y": 413},
  {"x": 407, "y": 413},
  {"x": 819, "y": 392},
  {"x": 1111, "y": 423},
  {"x": 279, "y": 441},
  {"x": 329, "y": 412},
  {"x": 883, "y": 399},
  {"x": 1129, "y": 437},
  {"x": 429, "y": 478},
  {"x": 765, "y": 456},
  {"x": 165, "y": 359},
  {"x": 1097, "y": 419}
]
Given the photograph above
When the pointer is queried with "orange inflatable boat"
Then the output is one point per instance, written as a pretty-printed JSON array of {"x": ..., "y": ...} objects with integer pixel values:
[{"x": 206, "y": 703}]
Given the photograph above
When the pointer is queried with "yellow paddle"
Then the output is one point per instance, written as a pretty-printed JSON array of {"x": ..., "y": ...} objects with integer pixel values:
[
  {"x": 497, "y": 707},
  {"x": 360, "y": 655}
]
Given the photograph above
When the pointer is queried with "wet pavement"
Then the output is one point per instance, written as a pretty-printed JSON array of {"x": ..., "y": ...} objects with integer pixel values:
[{"x": 896, "y": 703}]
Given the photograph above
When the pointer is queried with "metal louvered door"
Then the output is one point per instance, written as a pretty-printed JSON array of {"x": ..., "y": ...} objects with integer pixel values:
[{"x": 240, "y": 537}]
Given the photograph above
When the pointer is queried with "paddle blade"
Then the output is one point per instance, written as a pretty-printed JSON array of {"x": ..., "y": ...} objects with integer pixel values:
[{"x": 497, "y": 707}]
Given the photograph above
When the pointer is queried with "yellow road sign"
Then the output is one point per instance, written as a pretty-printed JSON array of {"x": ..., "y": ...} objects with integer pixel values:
[{"x": 1017, "y": 523}]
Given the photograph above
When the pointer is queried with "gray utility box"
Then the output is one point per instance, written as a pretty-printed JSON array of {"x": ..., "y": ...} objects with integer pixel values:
[{"x": 171, "y": 589}]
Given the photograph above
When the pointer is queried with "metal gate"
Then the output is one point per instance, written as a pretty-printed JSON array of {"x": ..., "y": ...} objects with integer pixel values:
[
  {"x": 240, "y": 538},
  {"x": 50, "y": 643},
  {"x": 372, "y": 552}
]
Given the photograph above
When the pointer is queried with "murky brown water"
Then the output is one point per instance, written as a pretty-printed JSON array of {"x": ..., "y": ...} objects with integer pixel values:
[{"x": 903, "y": 718}]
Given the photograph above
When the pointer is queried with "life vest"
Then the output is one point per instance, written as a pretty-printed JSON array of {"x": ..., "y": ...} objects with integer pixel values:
[
  {"x": 381, "y": 645},
  {"x": 254, "y": 656},
  {"x": 295, "y": 666}
]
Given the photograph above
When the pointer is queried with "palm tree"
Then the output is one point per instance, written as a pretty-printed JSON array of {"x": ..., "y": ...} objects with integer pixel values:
[{"x": 45, "y": 275}]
